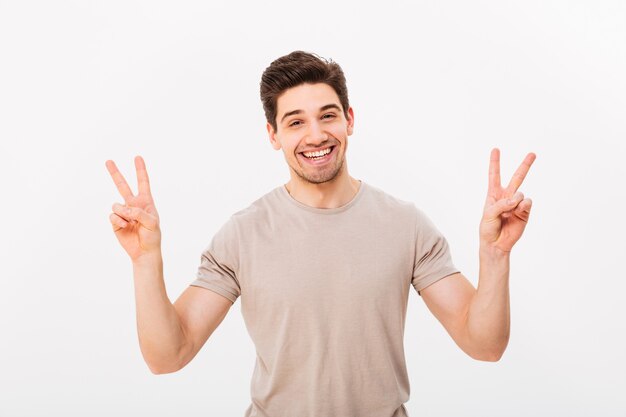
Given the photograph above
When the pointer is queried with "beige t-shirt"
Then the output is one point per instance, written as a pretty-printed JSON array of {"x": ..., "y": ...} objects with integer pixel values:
[{"x": 324, "y": 295}]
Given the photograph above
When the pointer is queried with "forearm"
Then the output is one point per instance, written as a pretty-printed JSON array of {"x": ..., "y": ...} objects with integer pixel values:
[
  {"x": 161, "y": 336},
  {"x": 488, "y": 317}
]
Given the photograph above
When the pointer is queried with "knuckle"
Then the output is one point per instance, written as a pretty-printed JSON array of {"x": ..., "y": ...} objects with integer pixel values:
[
  {"x": 117, "y": 221},
  {"x": 152, "y": 221}
]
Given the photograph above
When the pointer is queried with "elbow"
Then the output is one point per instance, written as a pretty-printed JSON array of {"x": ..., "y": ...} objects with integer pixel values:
[
  {"x": 494, "y": 356},
  {"x": 163, "y": 368},
  {"x": 161, "y": 371},
  {"x": 491, "y": 354},
  {"x": 160, "y": 362},
  {"x": 160, "y": 365}
]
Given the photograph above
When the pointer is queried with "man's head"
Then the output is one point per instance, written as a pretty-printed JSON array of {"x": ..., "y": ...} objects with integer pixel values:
[
  {"x": 295, "y": 69},
  {"x": 308, "y": 116}
]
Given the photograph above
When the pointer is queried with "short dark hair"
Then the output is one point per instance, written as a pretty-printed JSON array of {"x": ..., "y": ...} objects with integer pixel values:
[{"x": 299, "y": 68}]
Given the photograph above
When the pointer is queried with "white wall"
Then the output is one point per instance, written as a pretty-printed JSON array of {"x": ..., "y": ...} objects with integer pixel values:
[{"x": 434, "y": 85}]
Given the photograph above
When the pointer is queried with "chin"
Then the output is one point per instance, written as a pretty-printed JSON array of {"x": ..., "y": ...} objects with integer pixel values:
[{"x": 322, "y": 178}]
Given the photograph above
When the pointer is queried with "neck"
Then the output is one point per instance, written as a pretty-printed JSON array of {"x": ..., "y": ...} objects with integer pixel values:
[{"x": 331, "y": 194}]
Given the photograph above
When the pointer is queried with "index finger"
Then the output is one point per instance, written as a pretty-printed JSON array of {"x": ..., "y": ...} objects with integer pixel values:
[
  {"x": 520, "y": 174},
  {"x": 142, "y": 176},
  {"x": 118, "y": 179},
  {"x": 494, "y": 170}
]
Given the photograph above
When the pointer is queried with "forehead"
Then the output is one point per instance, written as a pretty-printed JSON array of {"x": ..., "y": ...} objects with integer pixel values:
[{"x": 306, "y": 97}]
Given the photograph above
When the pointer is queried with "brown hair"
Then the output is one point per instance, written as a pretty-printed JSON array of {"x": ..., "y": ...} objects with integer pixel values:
[{"x": 300, "y": 68}]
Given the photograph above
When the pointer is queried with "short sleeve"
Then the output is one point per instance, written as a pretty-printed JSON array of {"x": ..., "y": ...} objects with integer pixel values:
[
  {"x": 219, "y": 263},
  {"x": 433, "y": 260}
]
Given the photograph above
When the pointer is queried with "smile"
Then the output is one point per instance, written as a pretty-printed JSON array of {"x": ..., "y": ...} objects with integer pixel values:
[{"x": 317, "y": 154}]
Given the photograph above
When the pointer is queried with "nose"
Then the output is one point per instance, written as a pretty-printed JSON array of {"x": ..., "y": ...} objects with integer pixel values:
[{"x": 316, "y": 134}]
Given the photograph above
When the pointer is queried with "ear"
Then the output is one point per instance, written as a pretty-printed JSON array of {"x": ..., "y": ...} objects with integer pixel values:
[
  {"x": 272, "y": 135},
  {"x": 350, "y": 118}
]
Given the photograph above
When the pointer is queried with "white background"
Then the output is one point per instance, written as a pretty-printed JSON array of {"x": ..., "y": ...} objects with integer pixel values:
[{"x": 434, "y": 85}]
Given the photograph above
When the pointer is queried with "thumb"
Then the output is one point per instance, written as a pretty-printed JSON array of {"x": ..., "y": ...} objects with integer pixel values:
[
  {"x": 523, "y": 209},
  {"x": 144, "y": 218},
  {"x": 503, "y": 206}
]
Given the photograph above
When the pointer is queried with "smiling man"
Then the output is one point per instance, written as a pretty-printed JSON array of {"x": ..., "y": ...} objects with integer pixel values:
[
  {"x": 323, "y": 265},
  {"x": 314, "y": 140}
]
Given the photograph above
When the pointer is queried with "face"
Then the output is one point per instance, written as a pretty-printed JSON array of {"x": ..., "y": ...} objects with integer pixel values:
[{"x": 312, "y": 130}]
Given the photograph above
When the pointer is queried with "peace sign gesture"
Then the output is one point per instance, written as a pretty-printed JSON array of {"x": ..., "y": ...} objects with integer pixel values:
[
  {"x": 506, "y": 210},
  {"x": 136, "y": 223}
]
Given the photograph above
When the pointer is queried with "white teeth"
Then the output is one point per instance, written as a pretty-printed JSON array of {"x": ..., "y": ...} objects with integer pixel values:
[{"x": 317, "y": 154}]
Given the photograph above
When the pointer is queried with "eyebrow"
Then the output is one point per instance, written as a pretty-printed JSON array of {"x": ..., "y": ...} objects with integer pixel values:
[{"x": 325, "y": 107}]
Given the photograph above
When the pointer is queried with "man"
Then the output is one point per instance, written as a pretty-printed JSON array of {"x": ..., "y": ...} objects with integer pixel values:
[{"x": 323, "y": 265}]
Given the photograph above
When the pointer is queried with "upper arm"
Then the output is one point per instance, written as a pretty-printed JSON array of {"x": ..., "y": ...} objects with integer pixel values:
[
  {"x": 200, "y": 312},
  {"x": 449, "y": 299}
]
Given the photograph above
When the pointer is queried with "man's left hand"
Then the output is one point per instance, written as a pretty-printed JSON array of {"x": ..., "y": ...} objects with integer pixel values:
[{"x": 506, "y": 210}]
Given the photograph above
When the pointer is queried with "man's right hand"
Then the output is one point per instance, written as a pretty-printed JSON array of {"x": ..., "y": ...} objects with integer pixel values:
[
  {"x": 135, "y": 223},
  {"x": 170, "y": 335}
]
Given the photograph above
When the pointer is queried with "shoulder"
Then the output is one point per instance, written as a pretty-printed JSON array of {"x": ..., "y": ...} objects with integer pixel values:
[
  {"x": 381, "y": 202},
  {"x": 377, "y": 199},
  {"x": 243, "y": 224},
  {"x": 259, "y": 212},
  {"x": 258, "y": 207}
]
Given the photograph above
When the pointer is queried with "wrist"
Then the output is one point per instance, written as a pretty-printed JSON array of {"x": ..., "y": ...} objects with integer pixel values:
[
  {"x": 148, "y": 260},
  {"x": 492, "y": 254}
]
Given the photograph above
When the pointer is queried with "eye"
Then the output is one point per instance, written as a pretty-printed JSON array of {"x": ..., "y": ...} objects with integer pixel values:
[
  {"x": 328, "y": 116},
  {"x": 295, "y": 123}
]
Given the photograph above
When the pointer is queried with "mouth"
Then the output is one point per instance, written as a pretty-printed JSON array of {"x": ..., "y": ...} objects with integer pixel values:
[{"x": 318, "y": 157}]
